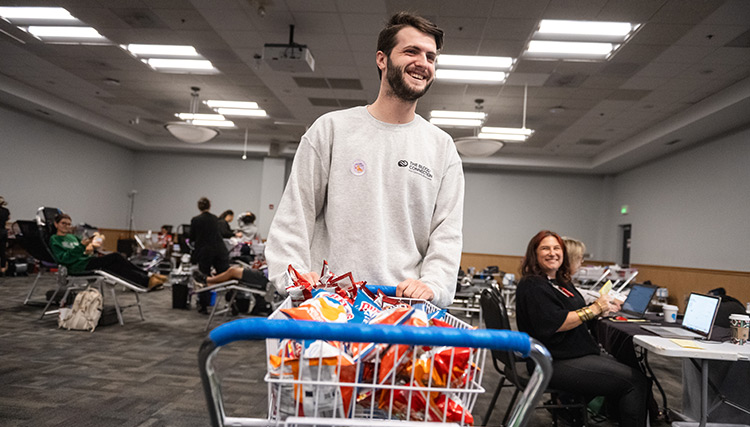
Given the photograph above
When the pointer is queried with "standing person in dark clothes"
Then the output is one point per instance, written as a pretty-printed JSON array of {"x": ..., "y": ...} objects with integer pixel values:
[
  {"x": 4, "y": 217},
  {"x": 209, "y": 247},
  {"x": 225, "y": 219}
]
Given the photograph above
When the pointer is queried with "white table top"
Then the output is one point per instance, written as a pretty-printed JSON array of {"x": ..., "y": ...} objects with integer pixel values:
[{"x": 709, "y": 349}]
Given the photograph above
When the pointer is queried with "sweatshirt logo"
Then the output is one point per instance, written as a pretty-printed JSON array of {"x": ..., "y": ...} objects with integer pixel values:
[{"x": 416, "y": 168}]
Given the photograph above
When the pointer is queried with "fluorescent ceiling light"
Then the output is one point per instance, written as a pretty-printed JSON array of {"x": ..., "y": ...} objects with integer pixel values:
[
  {"x": 511, "y": 131},
  {"x": 161, "y": 50},
  {"x": 171, "y": 64},
  {"x": 500, "y": 63},
  {"x": 573, "y": 51},
  {"x": 470, "y": 123},
  {"x": 470, "y": 76},
  {"x": 505, "y": 134},
  {"x": 69, "y": 33},
  {"x": 241, "y": 112},
  {"x": 215, "y": 103},
  {"x": 582, "y": 48},
  {"x": 191, "y": 116},
  {"x": 36, "y": 13},
  {"x": 458, "y": 114},
  {"x": 586, "y": 28},
  {"x": 502, "y": 137},
  {"x": 214, "y": 123}
]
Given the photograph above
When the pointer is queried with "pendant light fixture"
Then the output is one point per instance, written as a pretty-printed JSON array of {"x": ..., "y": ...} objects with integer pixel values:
[{"x": 188, "y": 131}]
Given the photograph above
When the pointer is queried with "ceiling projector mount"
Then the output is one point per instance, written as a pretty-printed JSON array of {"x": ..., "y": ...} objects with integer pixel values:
[
  {"x": 188, "y": 132},
  {"x": 291, "y": 58}
]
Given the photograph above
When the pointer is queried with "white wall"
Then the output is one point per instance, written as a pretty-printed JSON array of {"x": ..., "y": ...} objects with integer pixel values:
[
  {"x": 687, "y": 210},
  {"x": 42, "y": 163},
  {"x": 690, "y": 209},
  {"x": 503, "y": 210},
  {"x": 169, "y": 186}
]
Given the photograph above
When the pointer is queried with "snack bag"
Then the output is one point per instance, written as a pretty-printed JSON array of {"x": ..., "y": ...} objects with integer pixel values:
[
  {"x": 325, "y": 307},
  {"x": 455, "y": 412},
  {"x": 298, "y": 288},
  {"x": 392, "y": 316},
  {"x": 327, "y": 361},
  {"x": 366, "y": 304}
]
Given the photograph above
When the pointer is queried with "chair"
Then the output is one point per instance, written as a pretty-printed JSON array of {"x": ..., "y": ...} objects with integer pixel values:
[
  {"x": 235, "y": 287},
  {"x": 36, "y": 236},
  {"x": 510, "y": 367}
]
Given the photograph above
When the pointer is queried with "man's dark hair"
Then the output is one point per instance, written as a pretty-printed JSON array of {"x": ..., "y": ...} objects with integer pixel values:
[
  {"x": 387, "y": 37},
  {"x": 61, "y": 216},
  {"x": 226, "y": 213},
  {"x": 204, "y": 204}
]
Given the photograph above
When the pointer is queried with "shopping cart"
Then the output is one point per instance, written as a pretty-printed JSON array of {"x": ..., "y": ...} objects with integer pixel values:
[{"x": 321, "y": 394}]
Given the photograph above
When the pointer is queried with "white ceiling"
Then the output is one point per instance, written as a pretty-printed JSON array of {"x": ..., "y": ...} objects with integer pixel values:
[{"x": 684, "y": 77}]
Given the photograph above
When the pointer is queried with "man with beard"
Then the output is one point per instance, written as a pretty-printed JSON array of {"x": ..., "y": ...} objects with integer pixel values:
[{"x": 377, "y": 190}]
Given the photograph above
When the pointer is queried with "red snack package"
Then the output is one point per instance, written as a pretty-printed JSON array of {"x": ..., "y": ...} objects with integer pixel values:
[
  {"x": 455, "y": 413},
  {"x": 402, "y": 407},
  {"x": 392, "y": 316},
  {"x": 298, "y": 288}
]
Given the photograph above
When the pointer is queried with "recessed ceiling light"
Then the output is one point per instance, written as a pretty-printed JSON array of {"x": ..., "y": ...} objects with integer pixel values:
[
  {"x": 598, "y": 29},
  {"x": 180, "y": 65},
  {"x": 471, "y": 76},
  {"x": 161, "y": 50},
  {"x": 15, "y": 14},
  {"x": 497, "y": 63},
  {"x": 578, "y": 40},
  {"x": 65, "y": 34}
]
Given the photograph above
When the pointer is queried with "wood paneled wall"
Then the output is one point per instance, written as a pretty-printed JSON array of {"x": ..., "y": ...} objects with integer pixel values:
[
  {"x": 679, "y": 280},
  {"x": 113, "y": 234}
]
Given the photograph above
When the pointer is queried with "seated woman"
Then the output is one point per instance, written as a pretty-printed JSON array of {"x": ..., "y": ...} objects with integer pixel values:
[
  {"x": 550, "y": 309},
  {"x": 78, "y": 256},
  {"x": 248, "y": 228}
]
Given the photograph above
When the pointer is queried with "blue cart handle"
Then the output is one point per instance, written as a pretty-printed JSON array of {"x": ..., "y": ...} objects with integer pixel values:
[
  {"x": 388, "y": 290},
  {"x": 256, "y": 329}
]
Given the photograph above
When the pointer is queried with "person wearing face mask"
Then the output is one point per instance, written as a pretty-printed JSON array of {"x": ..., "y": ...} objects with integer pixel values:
[
  {"x": 550, "y": 309},
  {"x": 377, "y": 190}
]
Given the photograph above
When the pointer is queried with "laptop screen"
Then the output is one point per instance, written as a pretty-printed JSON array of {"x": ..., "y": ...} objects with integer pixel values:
[
  {"x": 638, "y": 299},
  {"x": 700, "y": 313}
]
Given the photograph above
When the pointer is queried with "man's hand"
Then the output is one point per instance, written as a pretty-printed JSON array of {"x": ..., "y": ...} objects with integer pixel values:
[{"x": 413, "y": 288}]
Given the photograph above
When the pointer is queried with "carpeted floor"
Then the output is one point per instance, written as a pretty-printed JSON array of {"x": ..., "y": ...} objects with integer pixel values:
[{"x": 145, "y": 373}]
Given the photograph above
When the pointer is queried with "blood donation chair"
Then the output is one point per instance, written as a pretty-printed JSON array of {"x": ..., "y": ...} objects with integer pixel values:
[{"x": 36, "y": 234}]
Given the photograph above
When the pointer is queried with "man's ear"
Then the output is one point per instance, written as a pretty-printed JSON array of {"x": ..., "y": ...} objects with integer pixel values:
[{"x": 381, "y": 59}]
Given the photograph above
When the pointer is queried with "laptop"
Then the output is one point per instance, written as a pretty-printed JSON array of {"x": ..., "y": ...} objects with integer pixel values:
[
  {"x": 698, "y": 321},
  {"x": 636, "y": 303}
]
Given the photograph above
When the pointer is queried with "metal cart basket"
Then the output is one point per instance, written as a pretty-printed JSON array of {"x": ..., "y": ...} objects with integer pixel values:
[{"x": 321, "y": 388}]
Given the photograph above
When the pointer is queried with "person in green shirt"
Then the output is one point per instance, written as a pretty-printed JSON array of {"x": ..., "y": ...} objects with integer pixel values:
[{"x": 78, "y": 256}]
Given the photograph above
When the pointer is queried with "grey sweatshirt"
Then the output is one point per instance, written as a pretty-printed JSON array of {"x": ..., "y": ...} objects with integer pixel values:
[{"x": 383, "y": 201}]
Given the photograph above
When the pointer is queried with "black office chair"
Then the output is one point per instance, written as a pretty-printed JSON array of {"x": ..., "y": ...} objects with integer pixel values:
[
  {"x": 511, "y": 368},
  {"x": 31, "y": 239}
]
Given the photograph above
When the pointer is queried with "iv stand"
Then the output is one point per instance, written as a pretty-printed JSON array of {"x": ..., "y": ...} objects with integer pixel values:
[{"x": 131, "y": 223}]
